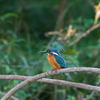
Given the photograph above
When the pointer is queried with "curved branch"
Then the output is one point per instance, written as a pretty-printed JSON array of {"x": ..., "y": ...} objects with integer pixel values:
[
  {"x": 87, "y": 32},
  {"x": 12, "y": 97},
  {"x": 52, "y": 81},
  {"x": 39, "y": 76}
]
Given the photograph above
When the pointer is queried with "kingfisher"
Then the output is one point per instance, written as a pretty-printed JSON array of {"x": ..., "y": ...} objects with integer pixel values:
[{"x": 55, "y": 59}]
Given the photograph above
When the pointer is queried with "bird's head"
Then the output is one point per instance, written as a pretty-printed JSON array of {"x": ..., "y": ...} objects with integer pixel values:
[{"x": 52, "y": 51}]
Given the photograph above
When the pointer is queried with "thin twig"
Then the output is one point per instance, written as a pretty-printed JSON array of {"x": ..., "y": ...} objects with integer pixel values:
[
  {"x": 92, "y": 92},
  {"x": 39, "y": 76},
  {"x": 92, "y": 4},
  {"x": 87, "y": 32}
]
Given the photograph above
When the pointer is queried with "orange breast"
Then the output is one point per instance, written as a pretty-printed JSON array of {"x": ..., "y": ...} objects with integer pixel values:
[{"x": 52, "y": 61}]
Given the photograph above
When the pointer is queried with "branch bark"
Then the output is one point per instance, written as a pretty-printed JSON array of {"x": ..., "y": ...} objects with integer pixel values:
[
  {"x": 12, "y": 97},
  {"x": 37, "y": 77},
  {"x": 51, "y": 81}
]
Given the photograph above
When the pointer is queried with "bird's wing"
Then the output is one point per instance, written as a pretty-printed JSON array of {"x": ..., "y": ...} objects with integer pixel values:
[{"x": 60, "y": 61}]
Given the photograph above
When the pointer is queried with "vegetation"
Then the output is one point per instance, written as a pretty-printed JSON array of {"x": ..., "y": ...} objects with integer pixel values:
[{"x": 29, "y": 26}]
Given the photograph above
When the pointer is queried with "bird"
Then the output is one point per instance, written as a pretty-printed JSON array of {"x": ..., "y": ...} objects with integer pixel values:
[{"x": 55, "y": 59}]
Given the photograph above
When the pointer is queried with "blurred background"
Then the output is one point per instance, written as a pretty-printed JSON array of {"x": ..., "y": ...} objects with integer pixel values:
[{"x": 29, "y": 26}]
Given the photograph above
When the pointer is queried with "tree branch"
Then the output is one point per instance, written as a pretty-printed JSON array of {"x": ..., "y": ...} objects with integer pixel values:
[
  {"x": 51, "y": 81},
  {"x": 87, "y": 32},
  {"x": 12, "y": 97},
  {"x": 39, "y": 76}
]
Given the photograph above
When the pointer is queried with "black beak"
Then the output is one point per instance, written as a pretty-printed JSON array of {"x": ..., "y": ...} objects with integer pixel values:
[{"x": 42, "y": 52}]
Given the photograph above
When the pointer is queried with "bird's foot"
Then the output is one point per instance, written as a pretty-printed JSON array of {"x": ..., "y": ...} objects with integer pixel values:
[{"x": 54, "y": 70}]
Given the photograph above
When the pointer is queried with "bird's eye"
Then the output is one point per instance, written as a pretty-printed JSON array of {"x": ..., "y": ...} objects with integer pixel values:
[{"x": 48, "y": 50}]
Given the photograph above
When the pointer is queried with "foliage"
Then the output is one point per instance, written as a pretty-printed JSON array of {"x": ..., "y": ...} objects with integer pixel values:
[{"x": 25, "y": 27}]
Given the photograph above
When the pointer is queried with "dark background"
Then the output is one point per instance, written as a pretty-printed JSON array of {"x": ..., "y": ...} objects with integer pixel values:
[{"x": 24, "y": 27}]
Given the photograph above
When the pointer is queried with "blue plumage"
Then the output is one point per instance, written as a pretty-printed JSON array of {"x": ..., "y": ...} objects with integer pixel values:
[
  {"x": 55, "y": 59},
  {"x": 60, "y": 61},
  {"x": 58, "y": 57}
]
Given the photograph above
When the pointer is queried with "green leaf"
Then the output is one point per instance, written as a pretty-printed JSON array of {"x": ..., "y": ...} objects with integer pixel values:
[
  {"x": 11, "y": 33},
  {"x": 46, "y": 67},
  {"x": 7, "y": 15},
  {"x": 69, "y": 77},
  {"x": 8, "y": 70},
  {"x": 61, "y": 90},
  {"x": 24, "y": 60},
  {"x": 71, "y": 52},
  {"x": 15, "y": 82}
]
